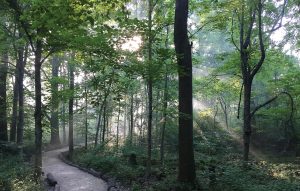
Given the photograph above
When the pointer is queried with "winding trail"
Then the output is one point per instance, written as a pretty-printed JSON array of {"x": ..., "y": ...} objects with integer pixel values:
[{"x": 70, "y": 178}]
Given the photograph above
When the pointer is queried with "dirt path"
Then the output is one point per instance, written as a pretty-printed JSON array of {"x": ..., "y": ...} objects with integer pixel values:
[{"x": 70, "y": 178}]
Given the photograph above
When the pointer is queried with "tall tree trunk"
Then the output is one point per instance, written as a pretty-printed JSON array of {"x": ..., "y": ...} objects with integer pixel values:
[
  {"x": 14, "y": 115},
  {"x": 38, "y": 109},
  {"x": 22, "y": 59},
  {"x": 71, "y": 103},
  {"x": 149, "y": 84},
  {"x": 248, "y": 70},
  {"x": 165, "y": 107},
  {"x": 184, "y": 60},
  {"x": 63, "y": 107},
  {"x": 3, "y": 105},
  {"x": 54, "y": 103},
  {"x": 247, "y": 119}
]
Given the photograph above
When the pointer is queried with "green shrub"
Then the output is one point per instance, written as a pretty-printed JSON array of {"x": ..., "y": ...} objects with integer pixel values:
[{"x": 15, "y": 175}]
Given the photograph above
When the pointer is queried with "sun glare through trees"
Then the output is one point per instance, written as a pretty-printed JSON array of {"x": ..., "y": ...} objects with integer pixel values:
[{"x": 150, "y": 95}]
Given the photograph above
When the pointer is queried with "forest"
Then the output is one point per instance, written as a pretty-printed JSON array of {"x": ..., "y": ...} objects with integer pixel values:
[{"x": 154, "y": 95}]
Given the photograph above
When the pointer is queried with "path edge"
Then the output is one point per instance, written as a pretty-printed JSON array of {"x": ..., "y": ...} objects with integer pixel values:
[{"x": 112, "y": 183}]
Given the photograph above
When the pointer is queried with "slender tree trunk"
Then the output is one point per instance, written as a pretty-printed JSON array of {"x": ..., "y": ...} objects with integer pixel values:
[
  {"x": 118, "y": 123},
  {"x": 54, "y": 122},
  {"x": 125, "y": 116},
  {"x": 215, "y": 116},
  {"x": 184, "y": 60},
  {"x": 165, "y": 107},
  {"x": 157, "y": 128},
  {"x": 108, "y": 129},
  {"x": 224, "y": 108},
  {"x": 249, "y": 71},
  {"x": 141, "y": 115},
  {"x": 104, "y": 122},
  {"x": 71, "y": 103},
  {"x": 98, "y": 124},
  {"x": 3, "y": 105},
  {"x": 63, "y": 108},
  {"x": 131, "y": 119},
  {"x": 63, "y": 111},
  {"x": 38, "y": 109},
  {"x": 86, "y": 117}
]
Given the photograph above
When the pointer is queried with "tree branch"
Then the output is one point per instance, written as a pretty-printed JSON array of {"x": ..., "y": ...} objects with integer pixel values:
[
  {"x": 198, "y": 30},
  {"x": 273, "y": 99},
  {"x": 277, "y": 25},
  {"x": 263, "y": 105},
  {"x": 13, "y": 4},
  {"x": 232, "y": 39},
  {"x": 249, "y": 32},
  {"x": 261, "y": 43}
]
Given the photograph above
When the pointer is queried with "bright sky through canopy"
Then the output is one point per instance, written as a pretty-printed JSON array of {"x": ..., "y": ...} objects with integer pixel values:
[{"x": 132, "y": 44}]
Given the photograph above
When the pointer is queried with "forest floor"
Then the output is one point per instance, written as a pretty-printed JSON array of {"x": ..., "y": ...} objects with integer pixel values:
[{"x": 70, "y": 178}]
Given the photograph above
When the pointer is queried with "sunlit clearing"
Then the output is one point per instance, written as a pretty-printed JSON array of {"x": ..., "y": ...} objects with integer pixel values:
[{"x": 132, "y": 44}]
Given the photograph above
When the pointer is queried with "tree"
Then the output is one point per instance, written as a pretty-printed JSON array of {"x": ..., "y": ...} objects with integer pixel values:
[
  {"x": 250, "y": 27},
  {"x": 183, "y": 48},
  {"x": 46, "y": 33},
  {"x": 54, "y": 122},
  {"x": 22, "y": 52},
  {"x": 3, "y": 105},
  {"x": 149, "y": 86},
  {"x": 71, "y": 103}
]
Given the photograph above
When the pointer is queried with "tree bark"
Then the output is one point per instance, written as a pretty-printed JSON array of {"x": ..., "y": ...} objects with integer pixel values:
[
  {"x": 63, "y": 113},
  {"x": 104, "y": 121},
  {"x": 63, "y": 107},
  {"x": 54, "y": 122},
  {"x": 14, "y": 115},
  {"x": 224, "y": 108},
  {"x": 71, "y": 103},
  {"x": 22, "y": 57},
  {"x": 247, "y": 119},
  {"x": 149, "y": 84},
  {"x": 118, "y": 123},
  {"x": 165, "y": 107},
  {"x": 98, "y": 124},
  {"x": 249, "y": 71},
  {"x": 186, "y": 171},
  {"x": 131, "y": 118},
  {"x": 3, "y": 105},
  {"x": 38, "y": 109},
  {"x": 86, "y": 117}
]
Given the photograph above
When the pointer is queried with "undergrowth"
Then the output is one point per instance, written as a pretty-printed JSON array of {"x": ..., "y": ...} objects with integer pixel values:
[
  {"x": 218, "y": 162},
  {"x": 15, "y": 174}
]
